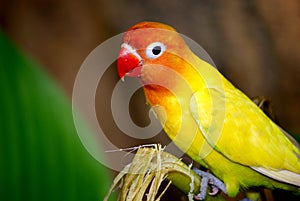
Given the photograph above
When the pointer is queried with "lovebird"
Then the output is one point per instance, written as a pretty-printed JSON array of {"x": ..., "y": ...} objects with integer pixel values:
[{"x": 207, "y": 117}]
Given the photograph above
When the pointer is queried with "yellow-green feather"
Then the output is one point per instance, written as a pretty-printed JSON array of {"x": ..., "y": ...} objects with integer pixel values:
[
  {"x": 212, "y": 121},
  {"x": 231, "y": 157}
]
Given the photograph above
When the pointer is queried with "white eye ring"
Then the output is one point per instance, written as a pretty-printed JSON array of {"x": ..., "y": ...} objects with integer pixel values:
[{"x": 155, "y": 50}]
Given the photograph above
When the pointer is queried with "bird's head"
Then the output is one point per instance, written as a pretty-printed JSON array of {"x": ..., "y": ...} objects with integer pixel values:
[{"x": 148, "y": 45}]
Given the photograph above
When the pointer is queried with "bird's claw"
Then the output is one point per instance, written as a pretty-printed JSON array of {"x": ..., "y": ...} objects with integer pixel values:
[
  {"x": 214, "y": 182},
  {"x": 214, "y": 190}
]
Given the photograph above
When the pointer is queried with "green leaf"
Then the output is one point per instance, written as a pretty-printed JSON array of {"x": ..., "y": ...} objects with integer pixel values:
[{"x": 41, "y": 156}]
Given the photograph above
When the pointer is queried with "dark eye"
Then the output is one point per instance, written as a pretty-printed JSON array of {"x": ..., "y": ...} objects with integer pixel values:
[{"x": 155, "y": 50}]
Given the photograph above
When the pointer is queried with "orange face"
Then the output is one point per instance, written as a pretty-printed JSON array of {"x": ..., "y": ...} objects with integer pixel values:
[{"x": 148, "y": 50}]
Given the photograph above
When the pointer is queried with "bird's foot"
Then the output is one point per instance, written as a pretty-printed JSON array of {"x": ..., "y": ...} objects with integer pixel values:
[{"x": 208, "y": 179}]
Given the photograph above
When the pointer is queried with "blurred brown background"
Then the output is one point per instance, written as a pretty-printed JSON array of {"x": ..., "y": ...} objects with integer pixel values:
[{"x": 253, "y": 43}]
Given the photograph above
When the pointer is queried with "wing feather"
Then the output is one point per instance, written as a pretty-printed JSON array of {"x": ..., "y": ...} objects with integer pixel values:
[
  {"x": 246, "y": 135},
  {"x": 280, "y": 175}
]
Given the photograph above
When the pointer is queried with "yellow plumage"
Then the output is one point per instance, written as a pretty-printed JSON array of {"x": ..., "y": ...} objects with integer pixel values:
[{"x": 208, "y": 118}]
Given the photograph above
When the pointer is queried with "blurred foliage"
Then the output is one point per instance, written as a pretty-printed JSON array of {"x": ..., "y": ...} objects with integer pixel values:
[{"x": 41, "y": 157}]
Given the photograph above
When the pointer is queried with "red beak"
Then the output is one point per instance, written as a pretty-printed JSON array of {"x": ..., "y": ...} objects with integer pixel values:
[{"x": 129, "y": 63}]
